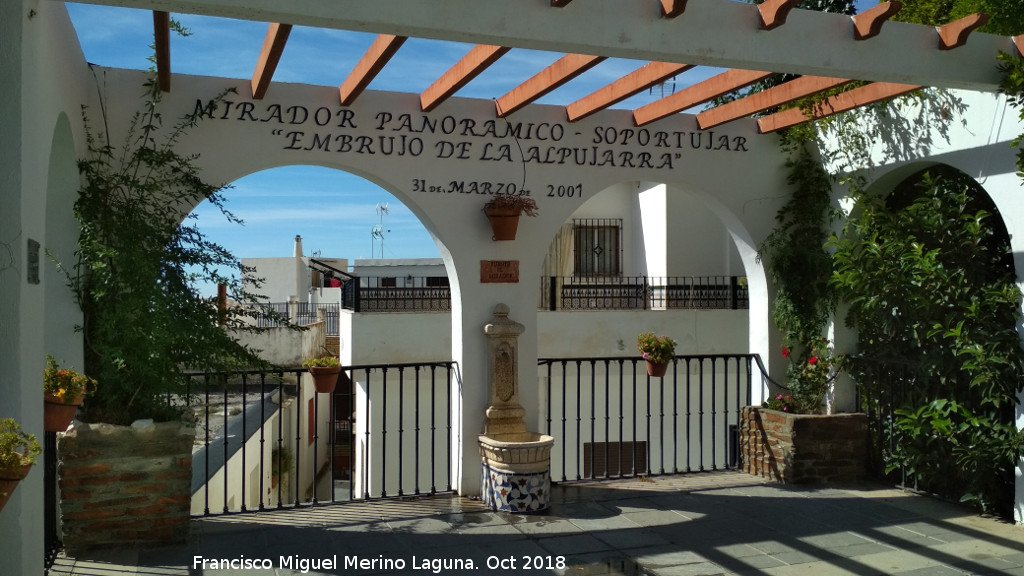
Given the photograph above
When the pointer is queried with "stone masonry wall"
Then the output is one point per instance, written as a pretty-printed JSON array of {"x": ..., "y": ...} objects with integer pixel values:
[
  {"x": 803, "y": 448},
  {"x": 125, "y": 486}
]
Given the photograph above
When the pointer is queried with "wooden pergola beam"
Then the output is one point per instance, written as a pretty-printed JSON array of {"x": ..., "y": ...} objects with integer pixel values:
[
  {"x": 773, "y": 12},
  {"x": 633, "y": 83},
  {"x": 270, "y": 56},
  {"x": 162, "y": 49},
  {"x": 834, "y": 105},
  {"x": 782, "y": 94},
  {"x": 559, "y": 3},
  {"x": 471, "y": 65},
  {"x": 1018, "y": 41},
  {"x": 672, "y": 8},
  {"x": 567, "y": 68},
  {"x": 376, "y": 57},
  {"x": 954, "y": 34},
  {"x": 697, "y": 94},
  {"x": 868, "y": 23}
]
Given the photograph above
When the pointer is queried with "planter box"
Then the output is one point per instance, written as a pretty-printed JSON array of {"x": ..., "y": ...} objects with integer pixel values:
[
  {"x": 803, "y": 448},
  {"x": 125, "y": 486}
]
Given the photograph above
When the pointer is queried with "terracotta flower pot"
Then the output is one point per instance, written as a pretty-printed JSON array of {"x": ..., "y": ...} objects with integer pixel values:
[
  {"x": 9, "y": 479},
  {"x": 504, "y": 223},
  {"x": 656, "y": 369},
  {"x": 325, "y": 378},
  {"x": 57, "y": 413}
]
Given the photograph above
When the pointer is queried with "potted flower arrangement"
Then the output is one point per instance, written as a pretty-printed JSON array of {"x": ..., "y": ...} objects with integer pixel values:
[
  {"x": 810, "y": 376},
  {"x": 324, "y": 370},
  {"x": 658, "y": 351},
  {"x": 18, "y": 452},
  {"x": 63, "y": 392},
  {"x": 789, "y": 439},
  {"x": 503, "y": 212}
]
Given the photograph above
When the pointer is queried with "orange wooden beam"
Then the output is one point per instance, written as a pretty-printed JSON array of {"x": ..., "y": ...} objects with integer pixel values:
[
  {"x": 782, "y": 94},
  {"x": 672, "y": 8},
  {"x": 1018, "y": 41},
  {"x": 471, "y": 65},
  {"x": 270, "y": 55},
  {"x": 638, "y": 80},
  {"x": 567, "y": 68},
  {"x": 559, "y": 3},
  {"x": 834, "y": 105},
  {"x": 954, "y": 34},
  {"x": 868, "y": 24},
  {"x": 162, "y": 49},
  {"x": 697, "y": 94},
  {"x": 773, "y": 12},
  {"x": 376, "y": 57}
]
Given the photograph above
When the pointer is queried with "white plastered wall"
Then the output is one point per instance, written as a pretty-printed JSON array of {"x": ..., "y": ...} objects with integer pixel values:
[{"x": 45, "y": 82}]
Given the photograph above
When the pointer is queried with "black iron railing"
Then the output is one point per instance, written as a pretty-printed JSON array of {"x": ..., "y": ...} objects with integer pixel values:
[
  {"x": 390, "y": 294},
  {"x": 643, "y": 292},
  {"x": 264, "y": 442},
  {"x": 611, "y": 420},
  {"x": 302, "y": 314}
]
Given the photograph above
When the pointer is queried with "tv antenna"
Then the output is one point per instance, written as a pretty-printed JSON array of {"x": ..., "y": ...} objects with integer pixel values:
[{"x": 378, "y": 230}]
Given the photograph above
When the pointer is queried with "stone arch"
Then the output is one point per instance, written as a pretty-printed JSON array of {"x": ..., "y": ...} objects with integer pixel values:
[{"x": 62, "y": 185}]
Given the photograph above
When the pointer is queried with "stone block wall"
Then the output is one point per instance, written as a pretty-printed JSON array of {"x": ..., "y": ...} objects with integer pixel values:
[
  {"x": 803, "y": 448},
  {"x": 125, "y": 486}
]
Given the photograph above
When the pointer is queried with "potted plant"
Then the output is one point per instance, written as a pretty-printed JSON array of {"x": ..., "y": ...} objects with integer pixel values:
[
  {"x": 503, "y": 212},
  {"x": 18, "y": 452},
  {"x": 63, "y": 392},
  {"x": 324, "y": 370},
  {"x": 658, "y": 351},
  {"x": 281, "y": 463},
  {"x": 789, "y": 439},
  {"x": 136, "y": 275}
]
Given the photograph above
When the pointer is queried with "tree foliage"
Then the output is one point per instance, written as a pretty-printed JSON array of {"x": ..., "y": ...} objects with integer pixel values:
[
  {"x": 928, "y": 279},
  {"x": 145, "y": 322}
]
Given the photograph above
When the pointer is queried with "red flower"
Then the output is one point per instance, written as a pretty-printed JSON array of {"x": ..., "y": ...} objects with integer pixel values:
[
  {"x": 785, "y": 352},
  {"x": 813, "y": 360}
]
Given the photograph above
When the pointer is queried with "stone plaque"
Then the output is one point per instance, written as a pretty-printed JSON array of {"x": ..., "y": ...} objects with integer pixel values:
[{"x": 499, "y": 271}]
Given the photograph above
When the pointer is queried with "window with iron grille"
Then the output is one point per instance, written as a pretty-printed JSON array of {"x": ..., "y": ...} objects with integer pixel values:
[{"x": 598, "y": 246}]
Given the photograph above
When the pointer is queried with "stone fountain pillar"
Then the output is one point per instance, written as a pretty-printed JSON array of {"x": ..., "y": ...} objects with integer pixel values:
[{"x": 516, "y": 463}]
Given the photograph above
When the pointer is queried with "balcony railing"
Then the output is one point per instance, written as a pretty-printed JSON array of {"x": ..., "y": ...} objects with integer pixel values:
[
  {"x": 390, "y": 294},
  {"x": 644, "y": 293},
  {"x": 302, "y": 314}
]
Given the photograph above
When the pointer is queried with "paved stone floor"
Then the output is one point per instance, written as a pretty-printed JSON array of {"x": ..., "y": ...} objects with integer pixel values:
[{"x": 708, "y": 523}]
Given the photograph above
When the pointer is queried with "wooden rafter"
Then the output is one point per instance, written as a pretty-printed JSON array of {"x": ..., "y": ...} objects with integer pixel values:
[
  {"x": 567, "y": 68},
  {"x": 1018, "y": 41},
  {"x": 834, "y": 105},
  {"x": 376, "y": 57},
  {"x": 559, "y": 3},
  {"x": 954, "y": 34},
  {"x": 162, "y": 49},
  {"x": 633, "y": 83},
  {"x": 697, "y": 94},
  {"x": 782, "y": 94},
  {"x": 773, "y": 12},
  {"x": 868, "y": 24},
  {"x": 270, "y": 55},
  {"x": 471, "y": 65},
  {"x": 672, "y": 8}
]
